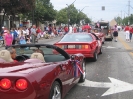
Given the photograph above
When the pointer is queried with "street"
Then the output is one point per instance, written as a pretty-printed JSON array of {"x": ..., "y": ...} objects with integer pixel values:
[{"x": 111, "y": 77}]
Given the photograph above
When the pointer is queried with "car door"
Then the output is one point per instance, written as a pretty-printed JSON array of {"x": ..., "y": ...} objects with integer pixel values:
[{"x": 67, "y": 68}]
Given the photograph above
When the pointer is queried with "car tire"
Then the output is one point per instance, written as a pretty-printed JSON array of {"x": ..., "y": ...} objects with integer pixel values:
[
  {"x": 55, "y": 92},
  {"x": 95, "y": 57},
  {"x": 83, "y": 76}
]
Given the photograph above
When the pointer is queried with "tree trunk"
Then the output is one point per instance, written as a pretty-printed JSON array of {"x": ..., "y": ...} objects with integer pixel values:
[{"x": 2, "y": 21}]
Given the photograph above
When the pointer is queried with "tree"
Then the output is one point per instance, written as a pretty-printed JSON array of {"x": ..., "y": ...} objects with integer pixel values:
[
  {"x": 62, "y": 16},
  {"x": 43, "y": 11},
  {"x": 72, "y": 14},
  {"x": 14, "y": 7},
  {"x": 118, "y": 20},
  {"x": 82, "y": 16}
]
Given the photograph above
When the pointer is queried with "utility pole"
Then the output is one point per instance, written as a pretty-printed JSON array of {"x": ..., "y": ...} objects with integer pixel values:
[
  {"x": 128, "y": 8},
  {"x": 68, "y": 14},
  {"x": 121, "y": 15},
  {"x": 128, "y": 11}
]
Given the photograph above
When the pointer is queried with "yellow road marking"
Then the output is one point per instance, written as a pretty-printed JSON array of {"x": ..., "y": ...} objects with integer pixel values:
[{"x": 127, "y": 47}]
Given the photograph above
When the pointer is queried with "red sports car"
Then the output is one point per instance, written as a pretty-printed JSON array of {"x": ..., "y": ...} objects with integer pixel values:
[
  {"x": 38, "y": 73},
  {"x": 86, "y": 43}
]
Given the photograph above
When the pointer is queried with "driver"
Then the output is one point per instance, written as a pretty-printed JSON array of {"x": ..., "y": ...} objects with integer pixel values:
[{"x": 13, "y": 53}]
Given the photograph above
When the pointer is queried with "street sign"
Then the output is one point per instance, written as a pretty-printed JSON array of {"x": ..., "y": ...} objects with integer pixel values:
[
  {"x": 103, "y": 8},
  {"x": 116, "y": 86}
]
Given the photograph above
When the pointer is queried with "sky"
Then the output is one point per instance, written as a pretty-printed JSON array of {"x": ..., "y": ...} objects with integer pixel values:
[{"x": 93, "y": 8}]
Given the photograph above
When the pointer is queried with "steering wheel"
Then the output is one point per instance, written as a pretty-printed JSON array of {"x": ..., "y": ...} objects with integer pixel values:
[
  {"x": 27, "y": 57},
  {"x": 20, "y": 58}
]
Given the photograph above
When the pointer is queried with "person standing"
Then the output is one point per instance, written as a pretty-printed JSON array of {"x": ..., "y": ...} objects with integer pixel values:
[
  {"x": 131, "y": 32},
  {"x": 66, "y": 30},
  {"x": 70, "y": 29},
  {"x": 115, "y": 33},
  {"x": 22, "y": 39},
  {"x": 33, "y": 34},
  {"x": 14, "y": 35},
  {"x": 8, "y": 39},
  {"x": 38, "y": 31},
  {"x": 50, "y": 29},
  {"x": 127, "y": 30}
]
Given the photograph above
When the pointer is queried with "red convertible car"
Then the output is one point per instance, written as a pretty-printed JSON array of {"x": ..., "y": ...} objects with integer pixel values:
[
  {"x": 86, "y": 43},
  {"x": 99, "y": 34},
  {"x": 39, "y": 75}
]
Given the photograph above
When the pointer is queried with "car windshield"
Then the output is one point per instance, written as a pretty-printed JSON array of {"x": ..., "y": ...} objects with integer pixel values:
[
  {"x": 77, "y": 38},
  {"x": 50, "y": 53},
  {"x": 29, "y": 50}
]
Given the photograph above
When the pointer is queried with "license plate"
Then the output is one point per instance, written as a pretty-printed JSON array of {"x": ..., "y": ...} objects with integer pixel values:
[{"x": 71, "y": 46}]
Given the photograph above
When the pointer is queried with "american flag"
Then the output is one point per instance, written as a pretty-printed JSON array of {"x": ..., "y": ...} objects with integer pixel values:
[
  {"x": 98, "y": 24},
  {"x": 77, "y": 68}
]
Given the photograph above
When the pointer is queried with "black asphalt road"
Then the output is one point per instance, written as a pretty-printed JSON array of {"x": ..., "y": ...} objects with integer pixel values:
[{"x": 115, "y": 62}]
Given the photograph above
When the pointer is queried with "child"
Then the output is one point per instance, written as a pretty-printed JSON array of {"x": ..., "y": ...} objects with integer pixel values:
[
  {"x": 28, "y": 39},
  {"x": 22, "y": 38}
]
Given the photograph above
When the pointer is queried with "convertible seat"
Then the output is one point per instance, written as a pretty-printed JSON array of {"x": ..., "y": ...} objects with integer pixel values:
[
  {"x": 37, "y": 56},
  {"x": 5, "y": 54}
]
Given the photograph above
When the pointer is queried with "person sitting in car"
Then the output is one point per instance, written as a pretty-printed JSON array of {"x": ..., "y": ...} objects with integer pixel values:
[
  {"x": 39, "y": 51},
  {"x": 13, "y": 53}
]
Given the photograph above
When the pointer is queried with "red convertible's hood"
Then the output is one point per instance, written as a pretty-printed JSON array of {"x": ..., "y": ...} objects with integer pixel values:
[{"x": 21, "y": 67}]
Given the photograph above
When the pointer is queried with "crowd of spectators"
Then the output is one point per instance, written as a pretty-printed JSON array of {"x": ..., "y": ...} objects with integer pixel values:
[{"x": 25, "y": 35}]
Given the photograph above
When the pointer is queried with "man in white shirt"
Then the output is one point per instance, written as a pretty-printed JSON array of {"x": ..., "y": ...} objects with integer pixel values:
[{"x": 70, "y": 29}]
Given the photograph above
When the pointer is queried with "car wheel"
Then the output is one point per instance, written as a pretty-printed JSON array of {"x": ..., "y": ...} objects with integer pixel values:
[
  {"x": 95, "y": 57},
  {"x": 83, "y": 76},
  {"x": 55, "y": 92},
  {"x": 101, "y": 51}
]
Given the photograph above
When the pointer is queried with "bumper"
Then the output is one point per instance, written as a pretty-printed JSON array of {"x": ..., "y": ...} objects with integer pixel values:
[
  {"x": 108, "y": 37},
  {"x": 87, "y": 54},
  {"x": 17, "y": 96}
]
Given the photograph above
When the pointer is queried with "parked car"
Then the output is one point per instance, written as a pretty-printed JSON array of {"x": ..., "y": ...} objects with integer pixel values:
[
  {"x": 35, "y": 76},
  {"x": 86, "y": 43}
]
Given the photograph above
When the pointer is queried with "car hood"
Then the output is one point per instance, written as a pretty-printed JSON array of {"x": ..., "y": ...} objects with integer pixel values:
[{"x": 21, "y": 67}]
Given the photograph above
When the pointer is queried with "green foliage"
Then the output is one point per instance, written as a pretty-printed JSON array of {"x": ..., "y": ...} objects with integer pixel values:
[
  {"x": 72, "y": 14},
  {"x": 62, "y": 16},
  {"x": 43, "y": 11},
  {"x": 13, "y": 7},
  {"x": 118, "y": 20},
  {"x": 125, "y": 21}
]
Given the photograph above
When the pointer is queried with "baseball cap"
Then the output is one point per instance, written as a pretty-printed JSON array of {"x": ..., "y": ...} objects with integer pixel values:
[{"x": 5, "y": 31}]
